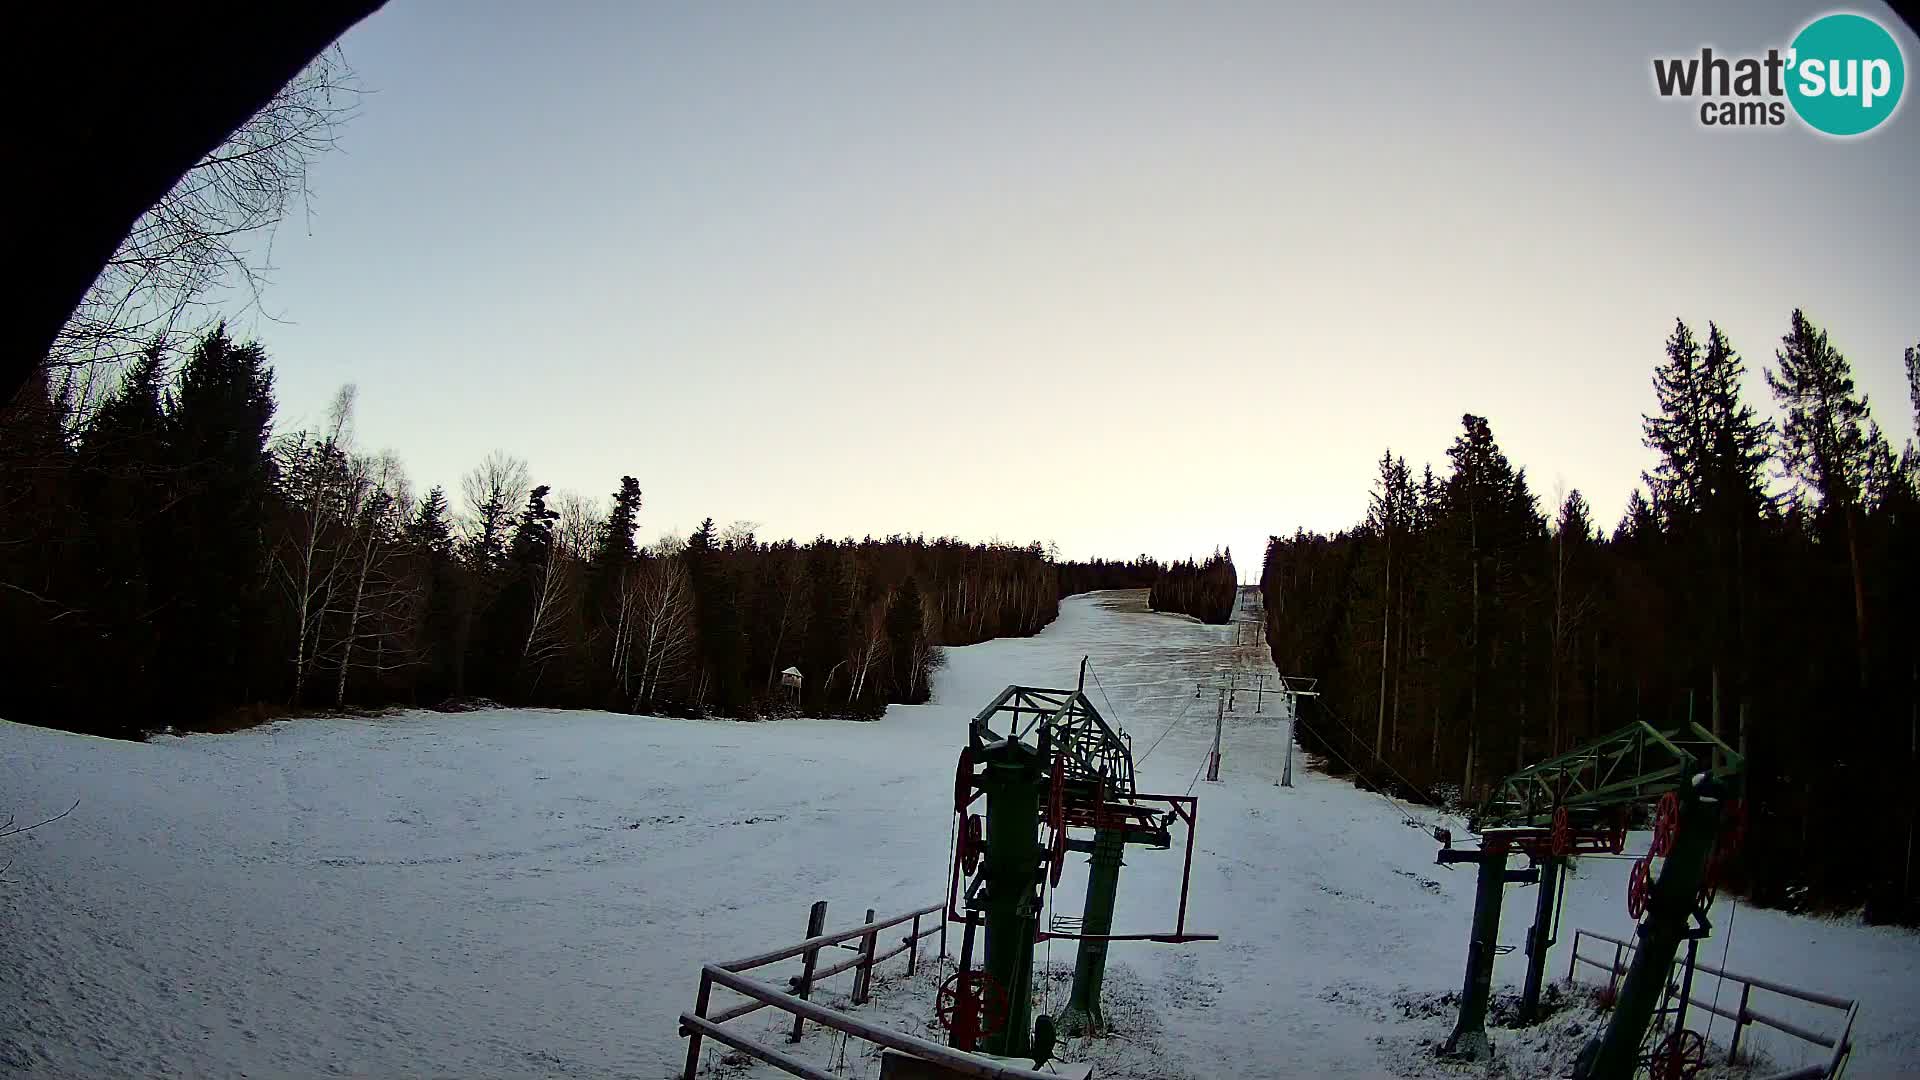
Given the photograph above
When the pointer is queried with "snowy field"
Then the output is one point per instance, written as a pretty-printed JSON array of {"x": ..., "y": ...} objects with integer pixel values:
[{"x": 531, "y": 893}]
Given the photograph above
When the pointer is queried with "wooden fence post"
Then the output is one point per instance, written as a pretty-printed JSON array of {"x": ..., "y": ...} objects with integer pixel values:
[
  {"x": 943, "y": 933},
  {"x": 913, "y": 946},
  {"x": 816, "y": 925},
  {"x": 1573, "y": 955},
  {"x": 863, "y": 971},
  {"x": 1739, "y": 1021},
  {"x": 700, "y": 1010}
]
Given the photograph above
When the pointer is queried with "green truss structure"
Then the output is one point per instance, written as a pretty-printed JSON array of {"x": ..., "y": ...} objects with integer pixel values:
[
  {"x": 1094, "y": 752},
  {"x": 1632, "y": 765}
]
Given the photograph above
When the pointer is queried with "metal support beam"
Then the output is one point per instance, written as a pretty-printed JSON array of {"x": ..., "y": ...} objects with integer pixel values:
[
  {"x": 1013, "y": 781},
  {"x": 1613, "y": 1054},
  {"x": 1539, "y": 940},
  {"x": 1083, "y": 1015},
  {"x": 1469, "y": 1039}
]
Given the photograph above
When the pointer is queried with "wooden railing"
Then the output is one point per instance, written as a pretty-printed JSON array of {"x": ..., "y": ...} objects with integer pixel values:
[
  {"x": 1840, "y": 1045},
  {"x": 700, "y": 1024}
]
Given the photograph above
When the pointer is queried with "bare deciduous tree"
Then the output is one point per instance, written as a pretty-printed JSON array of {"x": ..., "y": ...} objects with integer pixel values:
[
  {"x": 493, "y": 492},
  {"x": 546, "y": 628},
  {"x": 380, "y": 498},
  {"x": 739, "y": 535},
  {"x": 869, "y": 645},
  {"x": 313, "y": 471},
  {"x": 210, "y": 234},
  {"x": 578, "y": 531},
  {"x": 664, "y": 635}
]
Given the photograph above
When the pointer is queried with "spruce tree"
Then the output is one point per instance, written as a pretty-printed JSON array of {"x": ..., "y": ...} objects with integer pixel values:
[
  {"x": 215, "y": 535},
  {"x": 1490, "y": 515},
  {"x": 829, "y": 623},
  {"x": 1824, "y": 444},
  {"x": 1678, "y": 434},
  {"x": 445, "y": 612},
  {"x": 430, "y": 530},
  {"x": 123, "y": 486},
  {"x": 616, "y": 545},
  {"x": 533, "y": 533},
  {"x": 722, "y": 643}
]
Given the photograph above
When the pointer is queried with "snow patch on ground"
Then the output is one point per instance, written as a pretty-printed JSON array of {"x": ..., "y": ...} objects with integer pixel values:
[{"x": 509, "y": 893}]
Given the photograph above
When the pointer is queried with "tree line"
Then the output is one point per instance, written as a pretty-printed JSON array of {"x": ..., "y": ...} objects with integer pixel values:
[
  {"x": 168, "y": 559},
  {"x": 1097, "y": 574},
  {"x": 1763, "y": 582},
  {"x": 1205, "y": 590}
]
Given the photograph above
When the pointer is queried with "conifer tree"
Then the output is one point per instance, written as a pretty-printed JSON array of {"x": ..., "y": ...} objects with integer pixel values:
[
  {"x": 215, "y": 537},
  {"x": 445, "y": 614},
  {"x": 722, "y": 646},
  {"x": 829, "y": 623},
  {"x": 1824, "y": 444},
  {"x": 430, "y": 530}
]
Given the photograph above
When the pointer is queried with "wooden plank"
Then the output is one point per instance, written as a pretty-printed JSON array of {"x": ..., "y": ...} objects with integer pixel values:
[
  {"x": 734, "y": 1012},
  {"x": 765, "y": 1053},
  {"x": 824, "y": 974},
  {"x": 961, "y": 1061},
  {"x": 816, "y": 919},
  {"x": 822, "y": 940},
  {"x": 863, "y": 976},
  {"x": 1791, "y": 1028},
  {"x": 693, "y": 1045}
]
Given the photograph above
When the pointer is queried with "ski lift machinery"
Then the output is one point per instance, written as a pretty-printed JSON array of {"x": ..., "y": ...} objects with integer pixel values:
[{"x": 1055, "y": 765}]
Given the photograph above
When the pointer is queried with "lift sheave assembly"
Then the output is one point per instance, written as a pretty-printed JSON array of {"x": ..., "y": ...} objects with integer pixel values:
[
  {"x": 1055, "y": 778},
  {"x": 1580, "y": 802}
]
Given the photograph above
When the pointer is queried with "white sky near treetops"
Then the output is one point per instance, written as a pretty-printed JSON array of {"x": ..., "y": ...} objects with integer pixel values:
[{"x": 1128, "y": 278}]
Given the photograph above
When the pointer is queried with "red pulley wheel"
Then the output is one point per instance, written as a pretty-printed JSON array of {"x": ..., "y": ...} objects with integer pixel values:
[
  {"x": 1680, "y": 1056},
  {"x": 1638, "y": 887},
  {"x": 971, "y": 1004},
  {"x": 963, "y": 781},
  {"x": 1666, "y": 824},
  {"x": 972, "y": 841}
]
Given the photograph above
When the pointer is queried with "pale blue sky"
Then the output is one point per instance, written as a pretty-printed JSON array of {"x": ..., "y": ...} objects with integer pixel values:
[{"x": 1129, "y": 277}]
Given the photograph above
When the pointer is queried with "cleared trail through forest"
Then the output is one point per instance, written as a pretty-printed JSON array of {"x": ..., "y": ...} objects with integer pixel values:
[{"x": 531, "y": 892}]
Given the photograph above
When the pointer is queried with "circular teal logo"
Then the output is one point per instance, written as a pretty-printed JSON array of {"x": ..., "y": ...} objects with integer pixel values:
[{"x": 1845, "y": 74}]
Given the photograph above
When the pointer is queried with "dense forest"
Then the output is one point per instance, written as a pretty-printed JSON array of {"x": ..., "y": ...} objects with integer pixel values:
[
  {"x": 1204, "y": 590},
  {"x": 168, "y": 559},
  {"x": 1079, "y": 577},
  {"x": 1765, "y": 583}
]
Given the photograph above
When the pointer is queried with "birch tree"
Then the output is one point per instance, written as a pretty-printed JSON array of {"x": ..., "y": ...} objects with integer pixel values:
[
  {"x": 869, "y": 646},
  {"x": 665, "y": 633},
  {"x": 374, "y": 592},
  {"x": 314, "y": 477}
]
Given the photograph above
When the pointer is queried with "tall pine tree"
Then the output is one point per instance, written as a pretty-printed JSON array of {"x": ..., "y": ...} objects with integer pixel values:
[{"x": 1824, "y": 444}]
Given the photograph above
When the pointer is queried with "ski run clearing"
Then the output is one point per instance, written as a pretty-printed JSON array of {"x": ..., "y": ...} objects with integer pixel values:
[{"x": 532, "y": 893}]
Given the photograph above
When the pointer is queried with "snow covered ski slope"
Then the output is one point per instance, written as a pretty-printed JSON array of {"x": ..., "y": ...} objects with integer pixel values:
[{"x": 531, "y": 893}]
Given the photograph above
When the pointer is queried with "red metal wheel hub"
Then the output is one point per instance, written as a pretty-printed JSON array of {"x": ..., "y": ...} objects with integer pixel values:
[
  {"x": 1639, "y": 887},
  {"x": 1666, "y": 824}
]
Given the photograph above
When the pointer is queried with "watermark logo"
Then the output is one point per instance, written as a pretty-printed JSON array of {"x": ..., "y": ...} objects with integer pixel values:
[{"x": 1843, "y": 75}]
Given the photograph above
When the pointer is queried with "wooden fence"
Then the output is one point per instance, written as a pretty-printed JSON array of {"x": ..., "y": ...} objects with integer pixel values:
[
  {"x": 700, "y": 1024},
  {"x": 1840, "y": 1045}
]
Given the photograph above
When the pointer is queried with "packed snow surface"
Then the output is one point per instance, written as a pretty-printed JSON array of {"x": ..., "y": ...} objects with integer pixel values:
[{"x": 532, "y": 893}]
